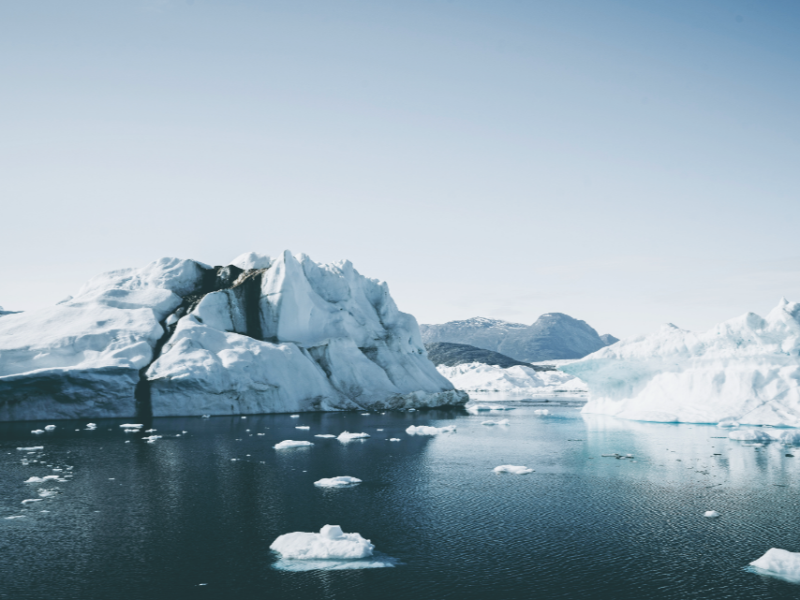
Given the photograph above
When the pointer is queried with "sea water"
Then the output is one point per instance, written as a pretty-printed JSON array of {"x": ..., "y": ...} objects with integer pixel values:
[{"x": 192, "y": 514}]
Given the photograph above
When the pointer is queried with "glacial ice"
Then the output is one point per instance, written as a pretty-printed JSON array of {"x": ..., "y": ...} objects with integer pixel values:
[
  {"x": 748, "y": 434},
  {"x": 323, "y": 435},
  {"x": 291, "y": 444},
  {"x": 481, "y": 380},
  {"x": 515, "y": 469},
  {"x": 500, "y": 422},
  {"x": 31, "y": 448},
  {"x": 303, "y": 427},
  {"x": 711, "y": 514},
  {"x": 346, "y": 436},
  {"x": 329, "y": 544},
  {"x": 284, "y": 335},
  {"x": 780, "y": 563},
  {"x": 474, "y": 409},
  {"x": 541, "y": 412},
  {"x": 746, "y": 370},
  {"x": 335, "y": 482},
  {"x": 49, "y": 427},
  {"x": 427, "y": 430}
]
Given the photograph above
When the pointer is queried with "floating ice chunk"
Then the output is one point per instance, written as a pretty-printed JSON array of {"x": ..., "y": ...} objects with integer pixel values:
[
  {"x": 294, "y": 416},
  {"x": 49, "y": 427},
  {"x": 243, "y": 417},
  {"x": 426, "y": 430},
  {"x": 302, "y": 427},
  {"x": 16, "y": 517},
  {"x": 542, "y": 412},
  {"x": 150, "y": 430},
  {"x": 379, "y": 430},
  {"x": 319, "y": 435},
  {"x": 412, "y": 410},
  {"x": 394, "y": 439},
  {"x": 31, "y": 500},
  {"x": 151, "y": 438},
  {"x": 132, "y": 430},
  {"x": 346, "y": 436},
  {"x": 515, "y": 469},
  {"x": 732, "y": 423},
  {"x": 331, "y": 543},
  {"x": 32, "y": 448},
  {"x": 780, "y": 563},
  {"x": 750, "y": 435},
  {"x": 37, "y": 431},
  {"x": 476, "y": 408},
  {"x": 291, "y": 444},
  {"x": 500, "y": 422},
  {"x": 335, "y": 482},
  {"x": 364, "y": 414},
  {"x": 206, "y": 416},
  {"x": 131, "y": 426},
  {"x": 711, "y": 514},
  {"x": 46, "y": 493},
  {"x": 91, "y": 426}
]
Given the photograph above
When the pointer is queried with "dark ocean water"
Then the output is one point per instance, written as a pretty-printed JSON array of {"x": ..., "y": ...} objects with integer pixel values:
[{"x": 154, "y": 521}]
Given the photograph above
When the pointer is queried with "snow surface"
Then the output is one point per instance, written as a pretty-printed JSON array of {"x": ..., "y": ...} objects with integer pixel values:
[
  {"x": 781, "y": 563},
  {"x": 291, "y": 335},
  {"x": 517, "y": 381},
  {"x": 515, "y": 469},
  {"x": 427, "y": 430},
  {"x": 745, "y": 370},
  {"x": 329, "y": 544},
  {"x": 336, "y": 482},
  {"x": 291, "y": 444}
]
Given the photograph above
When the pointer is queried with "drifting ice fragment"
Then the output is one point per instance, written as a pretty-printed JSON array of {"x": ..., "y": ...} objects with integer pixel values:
[
  {"x": 320, "y": 435},
  {"x": 780, "y": 563},
  {"x": 500, "y": 422},
  {"x": 476, "y": 408},
  {"x": 334, "y": 482},
  {"x": 91, "y": 426},
  {"x": 302, "y": 427},
  {"x": 131, "y": 426},
  {"x": 37, "y": 431},
  {"x": 394, "y": 439},
  {"x": 515, "y": 469},
  {"x": 46, "y": 493},
  {"x": 426, "y": 430},
  {"x": 32, "y": 448},
  {"x": 294, "y": 416},
  {"x": 728, "y": 423},
  {"x": 206, "y": 416},
  {"x": 542, "y": 412},
  {"x": 49, "y": 427},
  {"x": 346, "y": 436},
  {"x": 152, "y": 438},
  {"x": 31, "y": 500},
  {"x": 329, "y": 544},
  {"x": 711, "y": 514},
  {"x": 291, "y": 444}
]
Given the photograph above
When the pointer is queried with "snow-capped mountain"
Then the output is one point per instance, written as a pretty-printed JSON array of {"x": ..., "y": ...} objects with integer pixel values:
[
  {"x": 554, "y": 336},
  {"x": 178, "y": 337},
  {"x": 746, "y": 370}
]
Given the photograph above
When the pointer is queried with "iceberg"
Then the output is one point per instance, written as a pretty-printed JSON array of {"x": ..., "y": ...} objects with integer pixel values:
[
  {"x": 746, "y": 370},
  {"x": 780, "y": 563},
  {"x": 331, "y": 543},
  {"x": 291, "y": 444},
  {"x": 518, "y": 381},
  {"x": 337, "y": 482},
  {"x": 181, "y": 338},
  {"x": 346, "y": 436},
  {"x": 515, "y": 469},
  {"x": 427, "y": 430},
  {"x": 711, "y": 514}
]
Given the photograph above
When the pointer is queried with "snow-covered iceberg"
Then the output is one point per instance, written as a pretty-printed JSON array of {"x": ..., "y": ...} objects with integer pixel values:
[
  {"x": 746, "y": 370},
  {"x": 486, "y": 381},
  {"x": 337, "y": 482},
  {"x": 178, "y": 337},
  {"x": 779, "y": 563},
  {"x": 329, "y": 544}
]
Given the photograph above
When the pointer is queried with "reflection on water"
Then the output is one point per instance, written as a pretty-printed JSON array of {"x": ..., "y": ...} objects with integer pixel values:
[{"x": 193, "y": 514}]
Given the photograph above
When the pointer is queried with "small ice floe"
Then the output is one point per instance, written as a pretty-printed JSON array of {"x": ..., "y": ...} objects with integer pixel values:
[
  {"x": 294, "y": 416},
  {"x": 91, "y": 426},
  {"x": 49, "y": 427},
  {"x": 37, "y": 431},
  {"x": 542, "y": 412},
  {"x": 750, "y": 435},
  {"x": 150, "y": 430},
  {"x": 789, "y": 437},
  {"x": 261, "y": 434},
  {"x": 412, "y": 410},
  {"x": 16, "y": 517},
  {"x": 330, "y": 549},
  {"x": 325, "y": 435},
  {"x": 476, "y": 408},
  {"x": 729, "y": 422},
  {"x": 302, "y": 427},
  {"x": 46, "y": 493},
  {"x": 779, "y": 563},
  {"x": 151, "y": 438},
  {"x": 618, "y": 456},
  {"x": 243, "y": 417},
  {"x": 379, "y": 430},
  {"x": 364, "y": 414},
  {"x": 131, "y": 430},
  {"x": 131, "y": 426},
  {"x": 427, "y": 430},
  {"x": 205, "y": 416},
  {"x": 394, "y": 439},
  {"x": 31, "y": 500},
  {"x": 346, "y": 436},
  {"x": 711, "y": 514},
  {"x": 32, "y": 448},
  {"x": 500, "y": 422},
  {"x": 291, "y": 444},
  {"x": 337, "y": 482},
  {"x": 515, "y": 469}
]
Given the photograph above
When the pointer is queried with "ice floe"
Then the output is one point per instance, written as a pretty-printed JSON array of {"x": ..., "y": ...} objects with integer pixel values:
[
  {"x": 346, "y": 436},
  {"x": 31, "y": 500},
  {"x": 336, "y": 482},
  {"x": 427, "y": 430},
  {"x": 394, "y": 439},
  {"x": 779, "y": 563},
  {"x": 131, "y": 426},
  {"x": 750, "y": 434},
  {"x": 331, "y": 543},
  {"x": 291, "y": 444},
  {"x": 37, "y": 431},
  {"x": 32, "y": 448},
  {"x": 49, "y": 427},
  {"x": 500, "y": 422},
  {"x": 322, "y": 435},
  {"x": 478, "y": 408},
  {"x": 711, "y": 514},
  {"x": 541, "y": 412},
  {"x": 302, "y": 427},
  {"x": 515, "y": 469}
]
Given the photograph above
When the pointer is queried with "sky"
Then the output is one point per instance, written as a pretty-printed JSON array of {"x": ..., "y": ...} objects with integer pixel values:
[{"x": 628, "y": 163}]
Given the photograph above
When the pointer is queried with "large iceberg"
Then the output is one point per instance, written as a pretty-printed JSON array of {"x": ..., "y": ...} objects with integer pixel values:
[
  {"x": 178, "y": 337},
  {"x": 746, "y": 370},
  {"x": 485, "y": 381},
  {"x": 779, "y": 563}
]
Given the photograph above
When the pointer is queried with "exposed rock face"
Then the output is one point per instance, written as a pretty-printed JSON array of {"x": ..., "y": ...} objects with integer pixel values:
[
  {"x": 608, "y": 339},
  {"x": 554, "y": 336},
  {"x": 181, "y": 338},
  {"x": 451, "y": 355}
]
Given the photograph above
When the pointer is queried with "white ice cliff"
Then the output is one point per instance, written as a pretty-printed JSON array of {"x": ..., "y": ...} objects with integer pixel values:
[
  {"x": 746, "y": 370},
  {"x": 178, "y": 337}
]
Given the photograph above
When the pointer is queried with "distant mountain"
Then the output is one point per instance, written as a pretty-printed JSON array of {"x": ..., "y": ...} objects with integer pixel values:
[
  {"x": 554, "y": 336},
  {"x": 451, "y": 355}
]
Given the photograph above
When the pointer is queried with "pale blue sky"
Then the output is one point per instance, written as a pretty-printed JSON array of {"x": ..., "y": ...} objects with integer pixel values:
[{"x": 626, "y": 162}]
